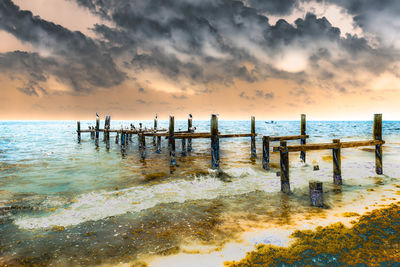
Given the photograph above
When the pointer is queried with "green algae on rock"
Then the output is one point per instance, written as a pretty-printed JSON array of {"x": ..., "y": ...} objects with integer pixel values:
[{"x": 373, "y": 240}]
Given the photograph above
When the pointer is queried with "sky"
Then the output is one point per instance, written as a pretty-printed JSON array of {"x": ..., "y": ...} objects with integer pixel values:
[{"x": 273, "y": 59}]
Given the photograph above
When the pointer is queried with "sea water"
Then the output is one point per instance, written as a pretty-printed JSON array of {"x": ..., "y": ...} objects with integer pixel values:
[{"x": 69, "y": 203}]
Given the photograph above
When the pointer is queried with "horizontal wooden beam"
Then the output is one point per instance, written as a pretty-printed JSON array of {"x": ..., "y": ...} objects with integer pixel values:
[
  {"x": 178, "y": 135},
  {"x": 125, "y": 131},
  {"x": 323, "y": 146},
  {"x": 289, "y": 137}
]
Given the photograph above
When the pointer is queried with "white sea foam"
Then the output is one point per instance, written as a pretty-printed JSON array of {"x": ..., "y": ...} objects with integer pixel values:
[{"x": 100, "y": 205}]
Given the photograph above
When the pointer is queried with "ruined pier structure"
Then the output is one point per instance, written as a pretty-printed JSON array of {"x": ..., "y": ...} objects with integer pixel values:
[{"x": 214, "y": 135}]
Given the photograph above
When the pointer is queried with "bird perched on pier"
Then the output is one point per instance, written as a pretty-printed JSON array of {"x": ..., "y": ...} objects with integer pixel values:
[
  {"x": 190, "y": 115},
  {"x": 97, "y": 115}
]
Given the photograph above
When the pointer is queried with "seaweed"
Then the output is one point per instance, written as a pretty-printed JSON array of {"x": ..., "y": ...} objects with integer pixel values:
[{"x": 373, "y": 240}]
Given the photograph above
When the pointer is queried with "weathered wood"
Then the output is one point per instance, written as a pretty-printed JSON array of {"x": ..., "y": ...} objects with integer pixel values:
[
  {"x": 92, "y": 132},
  {"x": 78, "y": 131},
  {"x": 107, "y": 133},
  {"x": 155, "y": 128},
  {"x": 316, "y": 194},
  {"x": 171, "y": 141},
  {"x": 321, "y": 146},
  {"x": 116, "y": 138},
  {"x": 158, "y": 147},
  {"x": 337, "y": 164},
  {"x": 97, "y": 130},
  {"x": 184, "y": 151},
  {"x": 265, "y": 159},
  {"x": 284, "y": 163},
  {"x": 214, "y": 142},
  {"x": 191, "y": 130},
  {"x": 288, "y": 137},
  {"x": 123, "y": 141},
  {"x": 142, "y": 145},
  {"x": 377, "y": 135},
  {"x": 361, "y": 143},
  {"x": 253, "y": 138},
  {"x": 303, "y": 132}
]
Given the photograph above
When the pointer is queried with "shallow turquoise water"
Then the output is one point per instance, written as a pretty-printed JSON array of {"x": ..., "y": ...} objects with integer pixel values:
[{"x": 48, "y": 180}]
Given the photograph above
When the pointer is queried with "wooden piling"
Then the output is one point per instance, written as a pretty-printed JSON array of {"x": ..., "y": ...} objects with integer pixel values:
[
  {"x": 123, "y": 140},
  {"x": 184, "y": 150},
  {"x": 189, "y": 140},
  {"x": 78, "y": 131},
  {"x": 97, "y": 130},
  {"x": 316, "y": 194},
  {"x": 116, "y": 138},
  {"x": 142, "y": 145},
  {"x": 253, "y": 138},
  {"x": 337, "y": 164},
  {"x": 106, "y": 132},
  {"x": 265, "y": 159},
  {"x": 214, "y": 142},
  {"x": 155, "y": 128},
  {"x": 284, "y": 156},
  {"x": 377, "y": 135},
  {"x": 303, "y": 132},
  {"x": 171, "y": 141},
  {"x": 91, "y": 132},
  {"x": 158, "y": 146}
]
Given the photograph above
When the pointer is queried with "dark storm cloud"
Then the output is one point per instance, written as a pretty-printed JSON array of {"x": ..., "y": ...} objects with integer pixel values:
[
  {"x": 202, "y": 42},
  {"x": 207, "y": 41},
  {"x": 273, "y": 7},
  {"x": 75, "y": 59}
]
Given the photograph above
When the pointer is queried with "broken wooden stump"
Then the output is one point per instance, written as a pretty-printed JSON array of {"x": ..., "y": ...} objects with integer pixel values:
[{"x": 316, "y": 194}]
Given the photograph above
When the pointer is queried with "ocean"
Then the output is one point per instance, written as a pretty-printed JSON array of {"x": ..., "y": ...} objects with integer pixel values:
[{"x": 66, "y": 203}]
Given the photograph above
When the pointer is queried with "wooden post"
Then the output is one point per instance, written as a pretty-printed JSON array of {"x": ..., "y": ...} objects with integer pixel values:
[
  {"x": 142, "y": 145},
  {"x": 189, "y": 141},
  {"x": 316, "y": 194},
  {"x": 265, "y": 159},
  {"x": 171, "y": 141},
  {"x": 303, "y": 132},
  {"x": 104, "y": 127},
  {"x": 214, "y": 142},
  {"x": 92, "y": 132},
  {"x": 377, "y": 135},
  {"x": 123, "y": 140},
  {"x": 97, "y": 130},
  {"x": 285, "y": 185},
  {"x": 184, "y": 151},
  {"x": 253, "y": 138},
  {"x": 116, "y": 138},
  {"x": 78, "y": 131},
  {"x": 337, "y": 164},
  {"x": 155, "y": 130},
  {"x": 158, "y": 147},
  {"x": 106, "y": 131}
]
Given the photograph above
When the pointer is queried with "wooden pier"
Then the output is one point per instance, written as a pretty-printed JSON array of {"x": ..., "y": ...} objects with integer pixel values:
[{"x": 214, "y": 135}]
